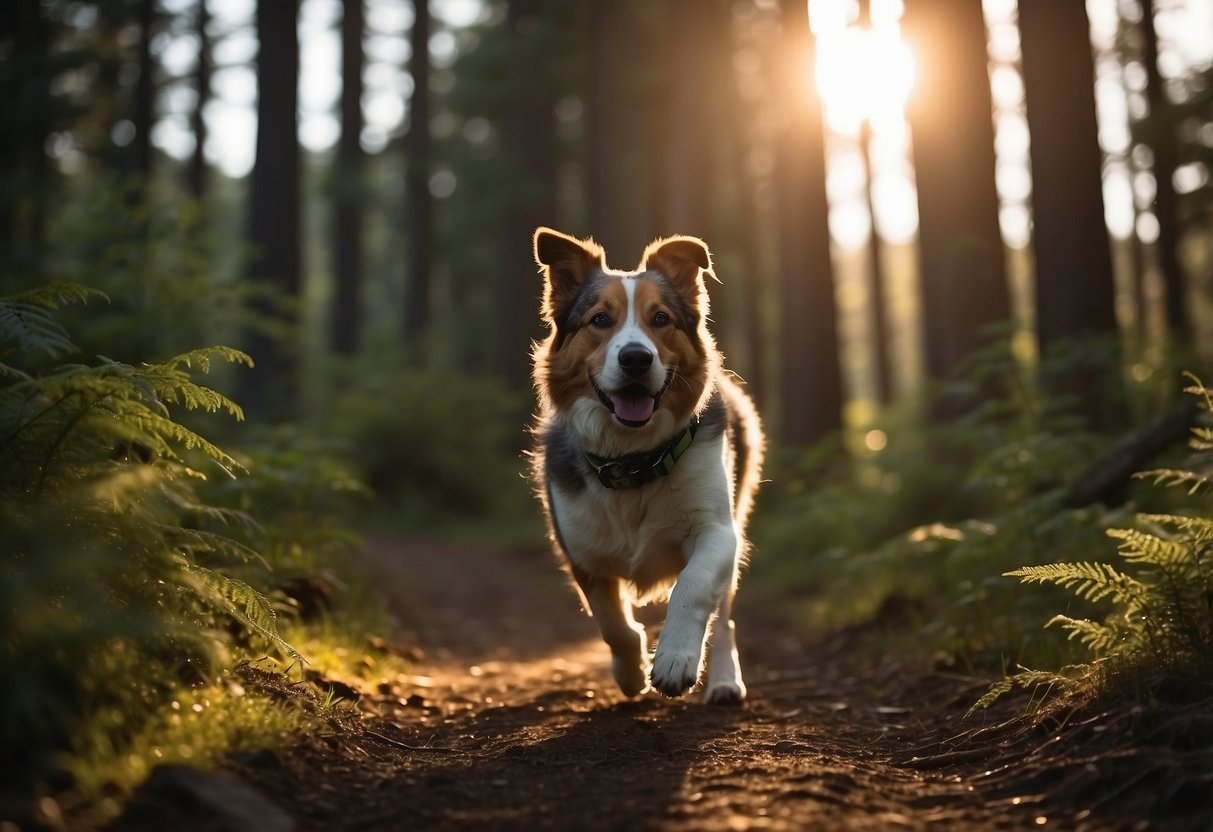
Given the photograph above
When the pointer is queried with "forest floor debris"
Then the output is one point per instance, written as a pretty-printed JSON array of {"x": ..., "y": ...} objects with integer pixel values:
[{"x": 511, "y": 721}]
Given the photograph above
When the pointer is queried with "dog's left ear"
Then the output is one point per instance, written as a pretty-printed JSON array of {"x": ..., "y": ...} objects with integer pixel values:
[
  {"x": 566, "y": 261},
  {"x": 680, "y": 259}
]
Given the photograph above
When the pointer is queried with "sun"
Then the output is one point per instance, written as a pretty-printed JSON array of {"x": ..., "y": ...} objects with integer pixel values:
[{"x": 864, "y": 74}]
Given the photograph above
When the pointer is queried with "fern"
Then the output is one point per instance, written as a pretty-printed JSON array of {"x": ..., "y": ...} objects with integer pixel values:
[
  {"x": 28, "y": 326},
  {"x": 1090, "y": 581},
  {"x": 1162, "y": 616},
  {"x": 242, "y": 602},
  {"x": 1092, "y": 634}
]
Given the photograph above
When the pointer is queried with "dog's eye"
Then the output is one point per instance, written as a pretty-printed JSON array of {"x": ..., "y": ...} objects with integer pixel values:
[
  {"x": 660, "y": 319},
  {"x": 602, "y": 320}
]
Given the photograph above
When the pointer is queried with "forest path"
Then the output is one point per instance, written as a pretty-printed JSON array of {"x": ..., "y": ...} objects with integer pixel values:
[{"x": 513, "y": 722}]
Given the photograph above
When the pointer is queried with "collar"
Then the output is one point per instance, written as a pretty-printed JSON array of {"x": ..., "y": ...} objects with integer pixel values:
[{"x": 635, "y": 470}]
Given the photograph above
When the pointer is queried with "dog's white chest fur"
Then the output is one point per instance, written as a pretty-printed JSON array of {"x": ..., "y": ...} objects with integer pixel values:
[{"x": 645, "y": 535}]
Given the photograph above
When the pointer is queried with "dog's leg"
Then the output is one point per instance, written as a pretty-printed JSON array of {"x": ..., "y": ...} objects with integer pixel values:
[
  {"x": 700, "y": 589},
  {"x": 613, "y": 612},
  {"x": 725, "y": 685}
]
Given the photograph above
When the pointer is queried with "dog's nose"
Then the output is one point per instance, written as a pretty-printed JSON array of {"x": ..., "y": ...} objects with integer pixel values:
[{"x": 635, "y": 359}]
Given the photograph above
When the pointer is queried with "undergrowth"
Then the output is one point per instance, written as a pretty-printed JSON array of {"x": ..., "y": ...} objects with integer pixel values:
[
  {"x": 1159, "y": 631},
  {"x": 908, "y": 536},
  {"x": 139, "y": 560}
]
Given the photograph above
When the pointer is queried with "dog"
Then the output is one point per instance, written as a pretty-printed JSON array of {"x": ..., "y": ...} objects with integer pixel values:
[{"x": 646, "y": 458}]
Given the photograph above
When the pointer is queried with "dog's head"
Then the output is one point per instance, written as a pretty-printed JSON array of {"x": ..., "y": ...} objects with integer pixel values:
[{"x": 628, "y": 350}]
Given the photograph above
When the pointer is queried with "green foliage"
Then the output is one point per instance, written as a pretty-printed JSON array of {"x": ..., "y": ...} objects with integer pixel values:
[
  {"x": 435, "y": 446},
  {"x": 1161, "y": 619},
  {"x": 108, "y": 549},
  {"x": 915, "y": 534}
]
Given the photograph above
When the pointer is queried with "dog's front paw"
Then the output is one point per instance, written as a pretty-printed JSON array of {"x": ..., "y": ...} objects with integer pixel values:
[
  {"x": 725, "y": 693},
  {"x": 675, "y": 673},
  {"x": 632, "y": 676}
]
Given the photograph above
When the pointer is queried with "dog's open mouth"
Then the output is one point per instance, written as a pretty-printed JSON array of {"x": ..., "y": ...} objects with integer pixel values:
[{"x": 632, "y": 405}]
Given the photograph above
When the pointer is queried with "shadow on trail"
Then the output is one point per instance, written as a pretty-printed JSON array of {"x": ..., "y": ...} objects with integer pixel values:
[{"x": 619, "y": 767}]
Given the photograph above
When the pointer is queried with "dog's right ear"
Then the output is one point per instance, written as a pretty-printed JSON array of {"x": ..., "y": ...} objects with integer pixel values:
[{"x": 566, "y": 261}]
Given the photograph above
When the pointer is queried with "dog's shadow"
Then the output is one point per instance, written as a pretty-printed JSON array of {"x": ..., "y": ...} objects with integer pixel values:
[{"x": 624, "y": 766}]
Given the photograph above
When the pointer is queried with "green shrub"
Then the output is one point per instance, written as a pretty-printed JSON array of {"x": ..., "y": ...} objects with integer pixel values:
[
  {"x": 1160, "y": 625},
  {"x": 107, "y": 549}
]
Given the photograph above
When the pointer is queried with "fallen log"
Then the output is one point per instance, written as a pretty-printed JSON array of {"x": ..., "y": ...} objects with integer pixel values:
[{"x": 1103, "y": 480}]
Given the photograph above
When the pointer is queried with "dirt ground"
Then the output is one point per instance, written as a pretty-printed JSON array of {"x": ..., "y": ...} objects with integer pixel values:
[{"x": 512, "y": 721}]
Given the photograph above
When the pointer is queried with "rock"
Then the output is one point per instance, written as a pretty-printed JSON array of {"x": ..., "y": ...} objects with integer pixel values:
[{"x": 186, "y": 799}]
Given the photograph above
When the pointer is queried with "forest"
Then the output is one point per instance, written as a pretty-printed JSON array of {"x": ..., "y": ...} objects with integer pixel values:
[{"x": 269, "y": 557}]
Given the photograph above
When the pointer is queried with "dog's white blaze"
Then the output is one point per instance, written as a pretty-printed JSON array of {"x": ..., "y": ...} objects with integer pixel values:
[{"x": 631, "y": 333}]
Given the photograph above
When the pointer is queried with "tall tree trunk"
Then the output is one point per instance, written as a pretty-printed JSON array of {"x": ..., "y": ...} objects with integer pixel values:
[
  {"x": 1074, "y": 282},
  {"x": 881, "y": 340},
  {"x": 532, "y": 145},
  {"x": 696, "y": 82},
  {"x": 611, "y": 219},
  {"x": 270, "y": 388},
  {"x": 348, "y": 187},
  {"x": 1162, "y": 143},
  {"x": 964, "y": 285},
  {"x": 144, "y": 111},
  {"x": 1074, "y": 288},
  {"x": 419, "y": 204},
  {"x": 24, "y": 126},
  {"x": 810, "y": 372},
  {"x": 202, "y": 89}
]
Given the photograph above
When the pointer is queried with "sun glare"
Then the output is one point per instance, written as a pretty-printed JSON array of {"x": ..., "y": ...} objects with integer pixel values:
[{"x": 864, "y": 75}]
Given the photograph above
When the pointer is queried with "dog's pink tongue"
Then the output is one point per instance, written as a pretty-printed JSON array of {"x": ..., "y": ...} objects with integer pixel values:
[{"x": 633, "y": 408}]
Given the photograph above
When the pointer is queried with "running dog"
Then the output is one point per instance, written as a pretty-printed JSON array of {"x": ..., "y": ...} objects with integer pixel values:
[{"x": 646, "y": 457}]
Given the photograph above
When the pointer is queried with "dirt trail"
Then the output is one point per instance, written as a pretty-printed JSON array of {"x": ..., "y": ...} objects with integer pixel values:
[{"x": 513, "y": 722}]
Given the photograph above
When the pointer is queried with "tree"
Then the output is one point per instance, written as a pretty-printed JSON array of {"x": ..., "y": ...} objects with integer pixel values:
[
  {"x": 810, "y": 373},
  {"x": 531, "y": 149},
  {"x": 202, "y": 90},
  {"x": 348, "y": 187},
  {"x": 274, "y": 208},
  {"x": 695, "y": 85},
  {"x": 621, "y": 194},
  {"x": 964, "y": 285},
  {"x": 1075, "y": 293},
  {"x": 419, "y": 209},
  {"x": 143, "y": 113},
  {"x": 26, "y": 120},
  {"x": 1074, "y": 287},
  {"x": 1162, "y": 143}
]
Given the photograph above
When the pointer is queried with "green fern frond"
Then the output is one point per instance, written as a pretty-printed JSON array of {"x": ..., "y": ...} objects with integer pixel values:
[
  {"x": 1025, "y": 678},
  {"x": 243, "y": 603},
  {"x": 1196, "y": 530},
  {"x": 1197, "y": 388},
  {"x": 1142, "y": 547},
  {"x": 1171, "y": 477},
  {"x": 55, "y": 295},
  {"x": 202, "y": 359},
  {"x": 1090, "y": 581},
  {"x": 1099, "y": 638},
  {"x": 33, "y": 330}
]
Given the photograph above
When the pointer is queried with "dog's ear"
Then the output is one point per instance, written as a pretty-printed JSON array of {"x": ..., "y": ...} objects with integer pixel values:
[
  {"x": 566, "y": 261},
  {"x": 680, "y": 259}
]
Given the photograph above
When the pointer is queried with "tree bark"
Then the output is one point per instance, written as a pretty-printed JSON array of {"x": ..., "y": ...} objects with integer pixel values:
[
  {"x": 197, "y": 174},
  {"x": 810, "y": 373},
  {"x": 964, "y": 286},
  {"x": 348, "y": 187},
  {"x": 1163, "y": 145},
  {"x": 275, "y": 263},
  {"x": 1074, "y": 283},
  {"x": 531, "y": 146},
  {"x": 419, "y": 203},
  {"x": 1074, "y": 288},
  {"x": 144, "y": 112}
]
